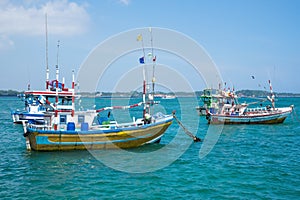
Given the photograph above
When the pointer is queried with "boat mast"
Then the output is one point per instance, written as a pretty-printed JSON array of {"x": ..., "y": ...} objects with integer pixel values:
[
  {"x": 56, "y": 90},
  {"x": 140, "y": 38},
  {"x": 73, "y": 93},
  {"x": 57, "y": 69},
  {"x": 272, "y": 98},
  {"x": 153, "y": 65}
]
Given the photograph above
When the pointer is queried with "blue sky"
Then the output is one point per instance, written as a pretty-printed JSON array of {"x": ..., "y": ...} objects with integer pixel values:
[{"x": 243, "y": 38}]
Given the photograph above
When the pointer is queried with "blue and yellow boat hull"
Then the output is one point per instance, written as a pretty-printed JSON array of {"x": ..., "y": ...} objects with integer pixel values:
[{"x": 128, "y": 137}]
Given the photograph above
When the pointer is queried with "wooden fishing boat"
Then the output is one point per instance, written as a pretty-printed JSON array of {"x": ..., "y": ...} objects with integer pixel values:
[
  {"x": 213, "y": 100},
  {"x": 232, "y": 113},
  {"x": 240, "y": 114},
  {"x": 64, "y": 128},
  {"x": 84, "y": 132},
  {"x": 168, "y": 97}
]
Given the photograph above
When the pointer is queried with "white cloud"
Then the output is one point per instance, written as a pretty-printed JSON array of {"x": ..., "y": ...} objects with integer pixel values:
[
  {"x": 5, "y": 42},
  {"x": 28, "y": 18},
  {"x": 125, "y": 2}
]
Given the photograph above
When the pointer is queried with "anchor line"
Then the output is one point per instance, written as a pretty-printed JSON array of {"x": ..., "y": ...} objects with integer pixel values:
[
  {"x": 295, "y": 114},
  {"x": 195, "y": 138}
]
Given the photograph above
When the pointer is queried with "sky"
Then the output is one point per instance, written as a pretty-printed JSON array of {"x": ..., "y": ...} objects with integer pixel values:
[{"x": 249, "y": 41}]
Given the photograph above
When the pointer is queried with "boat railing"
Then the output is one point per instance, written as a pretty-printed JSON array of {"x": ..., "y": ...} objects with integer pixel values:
[
  {"x": 64, "y": 107},
  {"x": 134, "y": 123},
  {"x": 110, "y": 125},
  {"x": 128, "y": 124},
  {"x": 258, "y": 109},
  {"x": 114, "y": 125},
  {"x": 39, "y": 126}
]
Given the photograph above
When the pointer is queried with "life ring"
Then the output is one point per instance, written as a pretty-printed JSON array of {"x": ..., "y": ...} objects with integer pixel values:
[{"x": 54, "y": 86}]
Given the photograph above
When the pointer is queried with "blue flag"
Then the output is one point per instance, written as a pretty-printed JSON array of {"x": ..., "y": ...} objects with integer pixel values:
[{"x": 142, "y": 61}]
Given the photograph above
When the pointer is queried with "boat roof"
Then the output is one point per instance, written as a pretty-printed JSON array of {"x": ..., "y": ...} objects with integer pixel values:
[{"x": 50, "y": 93}]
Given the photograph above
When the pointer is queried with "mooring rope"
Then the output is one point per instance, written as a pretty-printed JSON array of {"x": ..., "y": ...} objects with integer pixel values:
[
  {"x": 295, "y": 114},
  {"x": 195, "y": 138}
]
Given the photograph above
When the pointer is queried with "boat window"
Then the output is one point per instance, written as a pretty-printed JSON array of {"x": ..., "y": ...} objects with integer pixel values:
[
  {"x": 80, "y": 118},
  {"x": 95, "y": 121},
  {"x": 63, "y": 119}
]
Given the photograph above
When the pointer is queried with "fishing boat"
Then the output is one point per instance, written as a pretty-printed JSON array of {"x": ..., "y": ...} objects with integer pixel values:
[
  {"x": 240, "y": 114},
  {"x": 168, "y": 97},
  {"x": 86, "y": 130},
  {"x": 231, "y": 113},
  {"x": 33, "y": 111},
  {"x": 65, "y": 128},
  {"x": 38, "y": 102},
  {"x": 214, "y": 99}
]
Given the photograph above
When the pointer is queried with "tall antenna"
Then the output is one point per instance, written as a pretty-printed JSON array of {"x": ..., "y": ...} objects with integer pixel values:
[
  {"x": 47, "y": 67},
  {"x": 142, "y": 61},
  {"x": 57, "y": 53},
  {"x": 46, "y": 29},
  {"x": 57, "y": 70},
  {"x": 153, "y": 62}
]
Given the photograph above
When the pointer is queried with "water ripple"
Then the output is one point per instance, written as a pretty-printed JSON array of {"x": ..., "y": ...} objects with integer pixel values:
[{"x": 247, "y": 162}]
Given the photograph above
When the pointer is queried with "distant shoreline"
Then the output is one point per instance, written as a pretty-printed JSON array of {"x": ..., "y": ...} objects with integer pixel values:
[{"x": 240, "y": 93}]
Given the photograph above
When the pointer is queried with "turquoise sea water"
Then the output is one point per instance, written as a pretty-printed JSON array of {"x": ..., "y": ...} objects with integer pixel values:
[{"x": 247, "y": 162}]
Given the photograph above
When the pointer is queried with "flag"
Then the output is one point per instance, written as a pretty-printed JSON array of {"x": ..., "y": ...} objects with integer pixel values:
[
  {"x": 154, "y": 58},
  {"x": 139, "y": 37},
  {"x": 142, "y": 61}
]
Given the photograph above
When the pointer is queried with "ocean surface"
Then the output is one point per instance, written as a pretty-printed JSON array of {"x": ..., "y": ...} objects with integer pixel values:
[{"x": 233, "y": 162}]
